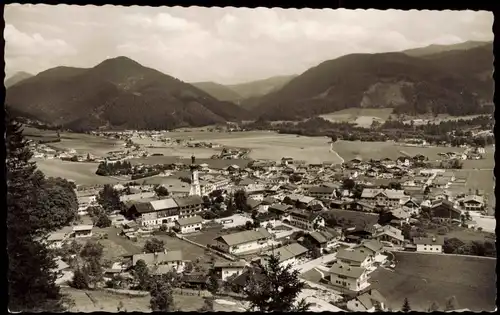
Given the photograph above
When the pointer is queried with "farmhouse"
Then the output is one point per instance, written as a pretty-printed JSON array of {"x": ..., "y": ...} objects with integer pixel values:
[
  {"x": 287, "y": 255},
  {"x": 152, "y": 213},
  {"x": 82, "y": 231},
  {"x": 305, "y": 219},
  {"x": 282, "y": 211},
  {"x": 366, "y": 302},
  {"x": 349, "y": 277},
  {"x": 245, "y": 241},
  {"x": 444, "y": 210},
  {"x": 323, "y": 239},
  {"x": 429, "y": 244},
  {"x": 373, "y": 247},
  {"x": 189, "y": 225},
  {"x": 387, "y": 197},
  {"x": 169, "y": 259},
  {"x": 321, "y": 192},
  {"x": 473, "y": 203},
  {"x": 390, "y": 234},
  {"x": 225, "y": 269}
]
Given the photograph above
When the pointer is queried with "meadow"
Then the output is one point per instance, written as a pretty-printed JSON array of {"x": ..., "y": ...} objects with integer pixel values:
[
  {"x": 83, "y": 173},
  {"x": 363, "y": 117},
  {"x": 424, "y": 278},
  {"x": 379, "y": 150}
]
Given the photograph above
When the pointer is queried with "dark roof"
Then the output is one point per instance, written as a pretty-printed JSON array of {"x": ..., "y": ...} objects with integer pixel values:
[
  {"x": 279, "y": 208},
  {"x": 143, "y": 207},
  {"x": 188, "y": 201},
  {"x": 195, "y": 277},
  {"x": 322, "y": 236},
  {"x": 437, "y": 240},
  {"x": 244, "y": 236},
  {"x": 321, "y": 190},
  {"x": 242, "y": 279},
  {"x": 252, "y": 203}
]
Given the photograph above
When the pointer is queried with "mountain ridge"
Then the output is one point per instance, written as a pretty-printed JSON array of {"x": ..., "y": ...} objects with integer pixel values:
[{"x": 117, "y": 92}]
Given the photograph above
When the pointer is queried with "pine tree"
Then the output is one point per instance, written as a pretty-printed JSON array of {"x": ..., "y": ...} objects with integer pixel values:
[
  {"x": 31, "y": 277},
  {"x": 406, "y": 306},
  {"x": 276, "y": 290},
  {"x": 162, "y": 299}
]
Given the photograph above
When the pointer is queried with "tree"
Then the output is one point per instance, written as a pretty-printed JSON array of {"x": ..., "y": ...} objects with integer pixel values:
[
  {"x": 141, "y": 275},
  {"x": 248, "y": 225},
  {"x": 240, "y": 200},
  {"x": 451, "y": 304},
  {"x": 109, "y": 199},
  {"x": 206, "y": 202},
  {"x": 161, "y": 191},
  {"x": 154, "y": 245},
  {"x": 276, "y": 290},
  {"x": 434, "y": 307},
  {"x": 467, "y": 216},
  {"x": 348, "y": 184},
  {"x": 213, "y": 283},
  {"x": 31, "y": 264},
  {"x": 406, "y": 306},
  {"x": 103, "y": 221},
  {"x": 92, "y": 266},
  {"x": 162, "y": 299},
  {"x": 80, "y": 280},
  {"x": 219, "y": 199}
]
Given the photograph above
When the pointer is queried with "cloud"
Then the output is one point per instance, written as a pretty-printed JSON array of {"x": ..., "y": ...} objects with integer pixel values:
[
  {"x": 225, "y": 45},
  {"x": 161, "y": 21}
]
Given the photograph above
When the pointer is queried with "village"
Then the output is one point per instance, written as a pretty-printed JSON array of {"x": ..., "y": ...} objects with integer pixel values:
[{"x": 336, "y": 224}]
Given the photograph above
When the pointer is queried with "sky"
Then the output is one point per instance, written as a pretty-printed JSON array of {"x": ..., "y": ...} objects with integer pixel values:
[{"x": 224, "y": 45}]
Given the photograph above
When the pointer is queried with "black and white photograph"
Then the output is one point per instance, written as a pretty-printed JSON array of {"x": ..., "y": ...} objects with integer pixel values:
[{"x": 231, "y": 159}]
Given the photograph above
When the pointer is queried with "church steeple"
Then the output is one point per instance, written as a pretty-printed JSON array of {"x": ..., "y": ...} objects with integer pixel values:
[{"x": 195, "y": 182}]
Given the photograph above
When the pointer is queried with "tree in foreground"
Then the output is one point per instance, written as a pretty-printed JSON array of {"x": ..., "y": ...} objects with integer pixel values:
[
  {"x": 276, "y": 290},
  {"x": 406, "y": 306},
  {"x": 154, "y": 245},
  {"x": 162, "y": 299},
  {"x": 30, "y": 275},
  {"x": 141, "y": 275},
  {"x": 451, "y": 304}
]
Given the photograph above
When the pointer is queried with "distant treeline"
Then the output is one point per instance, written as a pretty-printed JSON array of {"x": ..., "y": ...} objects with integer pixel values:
[{"x": 454, "y": 132}]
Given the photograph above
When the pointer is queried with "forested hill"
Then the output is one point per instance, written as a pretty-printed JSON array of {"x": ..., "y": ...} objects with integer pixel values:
[
  {"x": 120, "y": 93},
  {"x": 456, "y": 82}
]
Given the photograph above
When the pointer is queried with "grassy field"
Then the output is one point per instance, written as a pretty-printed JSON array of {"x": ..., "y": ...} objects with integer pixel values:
[
  {"x": 105, "y": 301},
  {"x": 424, "y": 278},
  {"x": 363, "y": 117},
  {"x": 378, "y": 150},
  {"x": 81, "y": 172}
]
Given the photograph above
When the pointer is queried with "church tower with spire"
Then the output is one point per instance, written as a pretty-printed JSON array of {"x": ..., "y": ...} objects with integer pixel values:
[{"x": 195, "y": 181}]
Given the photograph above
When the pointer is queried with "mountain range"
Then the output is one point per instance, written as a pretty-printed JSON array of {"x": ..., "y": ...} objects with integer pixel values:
[
  {"x": 118, "y": 92},
  {"x": 238, "y": 92},
  {"x": 121, "y": 93},
  {"x": 16, "y": 78}
]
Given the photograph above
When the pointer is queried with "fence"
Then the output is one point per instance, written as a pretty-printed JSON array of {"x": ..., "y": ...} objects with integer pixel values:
[{"x": 131, "y": 293}]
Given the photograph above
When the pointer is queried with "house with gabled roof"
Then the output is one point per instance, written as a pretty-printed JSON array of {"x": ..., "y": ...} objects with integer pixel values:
[
  {"x": 367, "y": 302},
  {"x": 383, "y": 197},
  {"x": 473, "y": 203},
  {"x": 162, "y": 262},
  {"x": 246, "y": 241},
  {"x": 444, "y": 210},
  {"x": 189, "y": 224},
  {"x": 324, "y": 239},
  {"x": 227, "y": 269},
  {"x": 349, "y": 277},
  {"x": 307, "y": 220},
  {"x": 287, "y": 255},
  {"x": 358, "y": 256},
  {"x": 390, "y": 234}
]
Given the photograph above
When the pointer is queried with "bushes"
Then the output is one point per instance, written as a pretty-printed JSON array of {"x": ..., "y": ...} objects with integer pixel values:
[
  {"x": 443, "y": 230},
  {"x": 80, "y": 280}
]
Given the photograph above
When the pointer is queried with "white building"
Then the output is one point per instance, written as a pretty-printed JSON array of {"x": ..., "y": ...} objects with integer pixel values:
[
  {"x": 190, "y": 224},
  {"x": 82, "y": 231},
  {"x": 429, "y": 244},
  {"x": 349, "y": 277},
  {"x": 357, "y": 257},
  {"x": 227, "y": 269},
  {"x": 306, "y": 220},
  {"x": 245, "y": 241}
]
